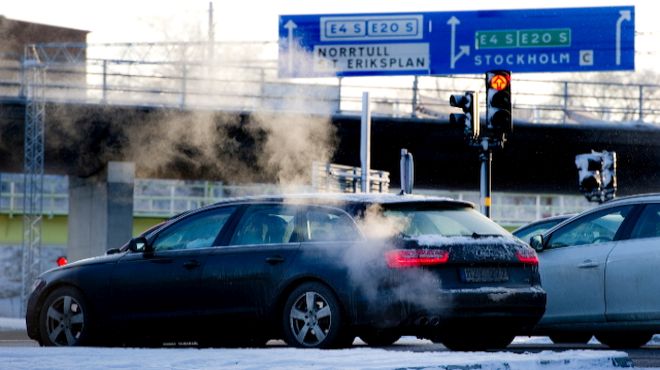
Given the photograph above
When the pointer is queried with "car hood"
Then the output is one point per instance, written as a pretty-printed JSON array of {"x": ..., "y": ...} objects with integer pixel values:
[{"x": 110, "y": 258}]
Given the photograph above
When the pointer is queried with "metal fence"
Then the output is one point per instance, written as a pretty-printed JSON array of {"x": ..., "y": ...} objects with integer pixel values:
[
  {"x": 330, "y": 177},
  {"x": 165, "y": 198},
  {"x": 244, "y": 77}
]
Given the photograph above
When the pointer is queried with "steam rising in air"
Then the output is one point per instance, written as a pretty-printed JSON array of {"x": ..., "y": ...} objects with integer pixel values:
[
  {"x": 366, "y": 264},
  {"x": 234, "y": 127}
]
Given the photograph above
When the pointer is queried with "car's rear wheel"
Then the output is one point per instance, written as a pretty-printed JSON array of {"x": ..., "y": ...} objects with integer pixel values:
[
  {"x": 379, "y": 338},
  {"x": 64, "y": 319},
  {"x": 622, "y": 340},
  {"x": 477, "y": 342},
  {"x": 312, "y": 318},
  {"x": 581, "y": 338}
]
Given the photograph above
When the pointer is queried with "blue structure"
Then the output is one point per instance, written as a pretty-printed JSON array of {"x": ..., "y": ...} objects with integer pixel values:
[{"x": 437, "y": 43}]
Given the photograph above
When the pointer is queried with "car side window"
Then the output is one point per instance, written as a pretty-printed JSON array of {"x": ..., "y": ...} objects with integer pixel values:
[
  {"x": 648, "y": 225},
  {"x": 194, "y": 232},
  {"x": 540, "y": 228},
  {"x": 599, "y": 227},
  {"x": 326, "y": 224},
  {"x": 265, "y": 224}
]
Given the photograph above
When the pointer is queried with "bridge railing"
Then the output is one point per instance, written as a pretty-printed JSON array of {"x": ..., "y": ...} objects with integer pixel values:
[
  {"x": 165, "y": 198},
  {"x": 244, "y": 77}
]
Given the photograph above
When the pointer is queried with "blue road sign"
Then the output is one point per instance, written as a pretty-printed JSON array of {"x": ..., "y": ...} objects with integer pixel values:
[{"x": 538, "y": 40}]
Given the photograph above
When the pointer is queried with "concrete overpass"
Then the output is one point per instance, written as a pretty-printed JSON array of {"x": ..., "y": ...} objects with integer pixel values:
[{"x": 81, "y": 139}]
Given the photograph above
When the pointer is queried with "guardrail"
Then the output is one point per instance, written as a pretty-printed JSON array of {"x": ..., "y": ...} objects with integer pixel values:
[
  {"x": 165, "y": 198},
  {"x": 184, "y": 76}
]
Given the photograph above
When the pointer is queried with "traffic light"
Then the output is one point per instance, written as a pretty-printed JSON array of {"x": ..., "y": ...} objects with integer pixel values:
[
  {"x": 608, "y": 174},
  {"x": 498, "y": 101},
  {"x": 597, "y": 175},
  {"x": 589, "y": 166},
  {"x": 469, "y": 102}
]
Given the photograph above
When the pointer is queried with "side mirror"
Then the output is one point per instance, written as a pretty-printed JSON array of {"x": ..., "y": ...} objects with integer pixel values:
[
  {"x": 112, "y": 251},
  {"x": 536, "y": 242},
  {"x": 139, "y": 244}
]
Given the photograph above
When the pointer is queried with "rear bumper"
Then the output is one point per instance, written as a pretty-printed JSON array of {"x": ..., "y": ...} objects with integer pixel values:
[{"x": 514, "y": 309}]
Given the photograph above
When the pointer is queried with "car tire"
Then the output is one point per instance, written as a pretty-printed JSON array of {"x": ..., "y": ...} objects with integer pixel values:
[
  {"x": 379, "y": 338},
  {"x": 579, "y": 338},
  {"x": 477, "y": 342},
  {"x": 312, "y": 318},
  {"x": 622, "y": 340},
  {"x": 65, "y": 319}
]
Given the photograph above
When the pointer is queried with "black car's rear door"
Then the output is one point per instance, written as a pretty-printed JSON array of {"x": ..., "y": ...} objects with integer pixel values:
[
  {"x": 159, "y": 291},
  {"x": 240, "y": 278}
]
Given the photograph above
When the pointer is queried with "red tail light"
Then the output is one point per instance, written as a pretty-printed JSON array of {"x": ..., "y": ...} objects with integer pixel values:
[
  {"x": 61, "y": 261},
  {"x": 527, "y": 256},
  {"x": 402, "y": 258}
]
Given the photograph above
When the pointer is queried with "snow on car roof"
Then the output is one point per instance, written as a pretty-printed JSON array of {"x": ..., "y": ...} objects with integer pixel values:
[{"x": 381, "y": 198}]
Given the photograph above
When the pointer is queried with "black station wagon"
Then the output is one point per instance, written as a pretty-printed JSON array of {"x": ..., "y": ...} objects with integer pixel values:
[{"x": 314, "y": 270}]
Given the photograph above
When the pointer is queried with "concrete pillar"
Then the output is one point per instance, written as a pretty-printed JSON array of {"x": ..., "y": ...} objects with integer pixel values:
[{"x": 100, "y": 210}]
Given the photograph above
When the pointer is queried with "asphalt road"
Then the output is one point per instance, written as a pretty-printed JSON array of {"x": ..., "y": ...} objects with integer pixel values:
[{"x": 645, "y": 357}]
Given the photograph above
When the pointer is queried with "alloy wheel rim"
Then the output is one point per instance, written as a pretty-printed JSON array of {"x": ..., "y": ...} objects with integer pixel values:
[
  {"x": 310, "y": 319},
  {"x": 65, "y": 321}
]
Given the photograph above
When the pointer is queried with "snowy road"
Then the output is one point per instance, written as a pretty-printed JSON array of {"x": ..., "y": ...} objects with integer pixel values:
[
  {"x": 24, "y": 358},
  {"x": 407, "y": 353}
]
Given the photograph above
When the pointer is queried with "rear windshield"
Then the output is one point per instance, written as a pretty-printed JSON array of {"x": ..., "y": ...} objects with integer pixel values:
[{"x": 445, "y": 222}]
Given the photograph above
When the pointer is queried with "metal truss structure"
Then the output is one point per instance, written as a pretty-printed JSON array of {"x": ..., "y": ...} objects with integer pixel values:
[{"x": 35, "y": 115}]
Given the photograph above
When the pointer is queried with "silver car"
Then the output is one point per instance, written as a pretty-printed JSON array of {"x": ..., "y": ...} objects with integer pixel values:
[{"x": 601, "y": 271}]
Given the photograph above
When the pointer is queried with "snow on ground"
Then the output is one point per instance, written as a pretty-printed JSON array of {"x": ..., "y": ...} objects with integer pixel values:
[
  {"x": 19, "y": 358},
  {"x": 12, "y": 324},
  {"x": 278, "y": 357}
]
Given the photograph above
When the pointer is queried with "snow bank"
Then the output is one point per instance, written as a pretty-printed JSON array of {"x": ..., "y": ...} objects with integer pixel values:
[
  {"x": 12, "y": 324},
  {"x": 291, "y": 358}
]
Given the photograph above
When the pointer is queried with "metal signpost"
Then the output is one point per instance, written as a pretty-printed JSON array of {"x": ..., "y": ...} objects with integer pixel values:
[{"x": 440, "y": 43}]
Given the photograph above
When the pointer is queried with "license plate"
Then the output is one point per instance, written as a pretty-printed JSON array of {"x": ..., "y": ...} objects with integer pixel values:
[{"x": 484, "y": 274}]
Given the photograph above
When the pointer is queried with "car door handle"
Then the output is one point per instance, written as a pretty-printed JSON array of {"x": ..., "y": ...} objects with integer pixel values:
[
  {"x": 274, "y": 260},
  {"x": 192, "y": 264},
  {"x": 588, "y": 264}
]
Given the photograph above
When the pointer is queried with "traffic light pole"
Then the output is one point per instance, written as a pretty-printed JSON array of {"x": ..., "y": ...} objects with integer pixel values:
[
  {"x": 486, "y": 158},
  {"x": 499, "y": 123}
]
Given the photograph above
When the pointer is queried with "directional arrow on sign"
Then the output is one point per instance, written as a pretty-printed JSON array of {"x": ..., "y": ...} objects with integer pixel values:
[
  {"x": 290, "y": 26},
  {"x": 465, "y": 49},
  {"x": 624, "y": 15}
]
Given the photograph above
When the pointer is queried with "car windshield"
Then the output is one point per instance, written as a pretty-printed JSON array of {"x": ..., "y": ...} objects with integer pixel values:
[{"x": 462, "y": 221}]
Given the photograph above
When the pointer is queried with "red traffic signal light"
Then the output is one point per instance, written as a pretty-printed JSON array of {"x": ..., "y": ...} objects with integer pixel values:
[
  {"x": 499, "y": 82},
  {"x": 498, "y": 102}
]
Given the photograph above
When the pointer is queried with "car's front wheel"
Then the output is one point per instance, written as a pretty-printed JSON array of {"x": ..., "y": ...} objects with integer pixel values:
[
  {"x": 64, "y": 319},
  {"x": 622, "y": 340},
  {"x": 312, "y": 318}
]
